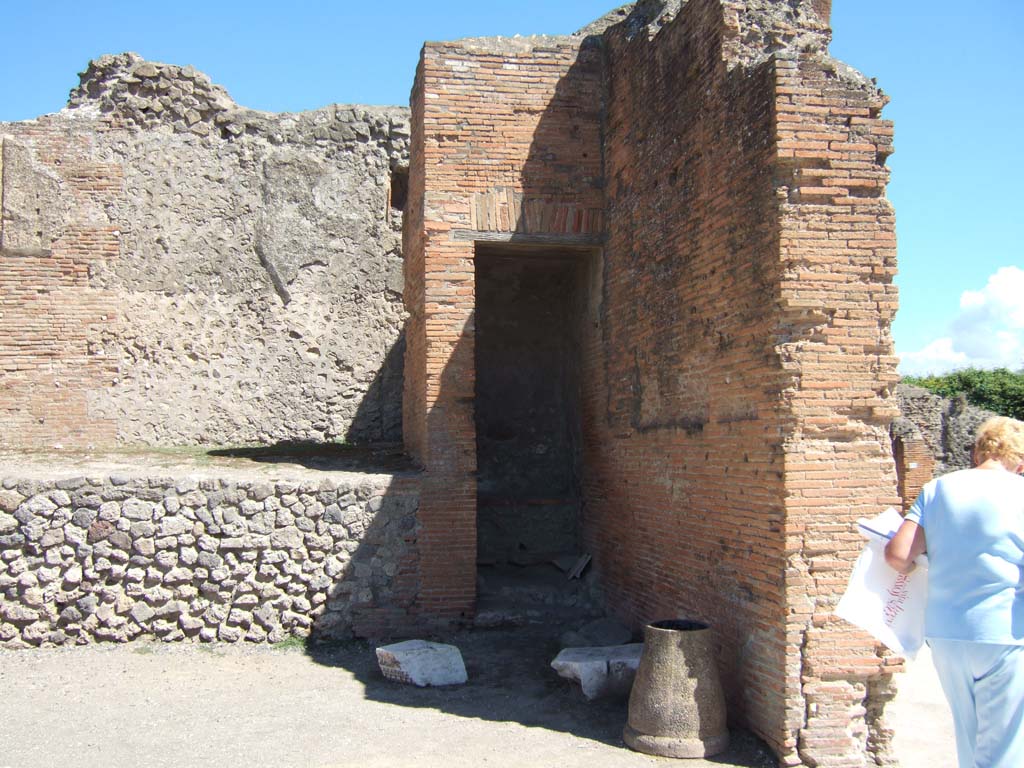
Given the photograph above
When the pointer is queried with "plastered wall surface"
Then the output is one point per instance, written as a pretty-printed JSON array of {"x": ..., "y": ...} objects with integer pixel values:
[{"x": 181, "y": 270}]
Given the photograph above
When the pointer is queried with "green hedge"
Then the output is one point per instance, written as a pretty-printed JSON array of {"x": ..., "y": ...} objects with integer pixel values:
[{"x": 998, "y": 390}]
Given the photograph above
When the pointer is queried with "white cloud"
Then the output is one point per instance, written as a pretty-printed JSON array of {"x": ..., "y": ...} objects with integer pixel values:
[
  {"x": 937, "y": 357},
  {"x": 987, "y": 333}
]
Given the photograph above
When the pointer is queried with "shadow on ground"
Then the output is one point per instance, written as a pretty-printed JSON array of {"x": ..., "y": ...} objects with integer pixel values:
[
  {"x": 510, "y": 680},
  {"x": 327, "y": 457}
]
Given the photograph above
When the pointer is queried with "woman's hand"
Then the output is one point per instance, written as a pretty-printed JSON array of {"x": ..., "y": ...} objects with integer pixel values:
[{"x": 906, "y": 544}]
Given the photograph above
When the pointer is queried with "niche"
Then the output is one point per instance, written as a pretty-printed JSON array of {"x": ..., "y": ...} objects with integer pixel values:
[{"x": 530, "y": 306}]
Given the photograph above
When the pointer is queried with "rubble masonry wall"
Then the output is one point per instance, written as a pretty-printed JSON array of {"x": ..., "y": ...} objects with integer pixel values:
[
  {"x": 180, "y": 270},
  {"x": 114, "y": 557}
]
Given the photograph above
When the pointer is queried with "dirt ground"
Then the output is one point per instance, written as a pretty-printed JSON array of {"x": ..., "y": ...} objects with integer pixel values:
[
  {"x": 192, "y": 705},
  {"x": 187, "y": 705},
  {"x": 921, "y": 718}
]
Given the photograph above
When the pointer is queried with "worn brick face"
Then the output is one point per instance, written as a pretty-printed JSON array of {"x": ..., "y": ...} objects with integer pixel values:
[
  {"x": 686, "y": 457},
  {"x": 506, "y": 146},
  {"x": 915, "y": 466},
  {"x": 51, "y": 317}
]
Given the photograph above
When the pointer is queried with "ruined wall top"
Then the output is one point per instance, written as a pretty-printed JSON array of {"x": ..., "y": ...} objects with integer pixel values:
[
  {"x": 762, "y": 27},
  {"x": 240, "y": 270},
  {"x": 769, "y": 27},
  {"x": 149, "y": 93},
  {"x": 947, "y": 425},
  {"x": 153, "y": 95}
]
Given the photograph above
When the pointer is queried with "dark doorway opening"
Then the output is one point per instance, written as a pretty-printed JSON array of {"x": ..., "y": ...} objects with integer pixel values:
[{"x": 530, "y": 308}]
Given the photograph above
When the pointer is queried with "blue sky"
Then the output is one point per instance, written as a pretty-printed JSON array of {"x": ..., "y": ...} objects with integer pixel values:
[{"x": 951, "y": 69}]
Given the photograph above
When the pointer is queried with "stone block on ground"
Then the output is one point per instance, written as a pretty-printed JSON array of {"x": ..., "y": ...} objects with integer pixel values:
[
  {"x": 422, "y": 663},
  {"x": 601, "y": 671}
]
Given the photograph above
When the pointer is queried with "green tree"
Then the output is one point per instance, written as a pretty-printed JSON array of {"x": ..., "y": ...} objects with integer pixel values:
[{"x": 999, "y": 390}]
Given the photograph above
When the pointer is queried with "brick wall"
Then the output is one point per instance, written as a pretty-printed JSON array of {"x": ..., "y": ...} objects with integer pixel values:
[
  {"x": 685, "y": 449},
  {"x": 838, "y": 249},
  {"x": 915, "y": 466},
  {"x": 749, "y": 367},
  {"x": 506, "y": 146},
  {"x": 413, "y": 233},
  {"x": 51, "y": 317},
  {"x": 736, "y": 360}
]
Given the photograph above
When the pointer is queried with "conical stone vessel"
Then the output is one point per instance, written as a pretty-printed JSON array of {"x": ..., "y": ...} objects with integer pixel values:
[{"x": 677, "y": 706}]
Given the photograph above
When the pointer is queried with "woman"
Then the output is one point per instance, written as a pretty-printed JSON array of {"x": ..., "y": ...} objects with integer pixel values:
[{"x": 971, "y": 523}]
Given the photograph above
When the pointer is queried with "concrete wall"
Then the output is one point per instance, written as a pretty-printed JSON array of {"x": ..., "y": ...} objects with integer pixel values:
[{"x": 180, "y": 270}]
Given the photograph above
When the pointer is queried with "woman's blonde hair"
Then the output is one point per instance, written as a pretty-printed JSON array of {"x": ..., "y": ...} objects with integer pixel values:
[{"x": 1000, "y": 438}]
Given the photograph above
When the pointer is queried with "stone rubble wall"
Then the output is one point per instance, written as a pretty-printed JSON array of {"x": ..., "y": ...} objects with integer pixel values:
[
  {"x": 178, "y": 269},
  {"x": 947, "y": 425},
  {"x": 932, "y": 436},
  {"x": 115, "y": 558}
]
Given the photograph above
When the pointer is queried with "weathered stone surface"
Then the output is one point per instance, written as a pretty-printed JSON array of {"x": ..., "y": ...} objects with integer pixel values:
[
  {"x": 600, "y": 671},
  {"x": 422, "y": 663},
  {"x": 18, "y": 614},
  {"x": 39, "y": 505},
  {"x": 52, "y": 537},
  {"x": 947, "y": 425},
  {"x": 34, "y": 208},
  {"x": 74, "y": 576},
  {"x": 677, "y": 705},
  {"x": 136, "y": 509},
  {"x": 175, "y": 526},
  {"x": 255, "y": 253},
  {"x": 9, "y": 500}
]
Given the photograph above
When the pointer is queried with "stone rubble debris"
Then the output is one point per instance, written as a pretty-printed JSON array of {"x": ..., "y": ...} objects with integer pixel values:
[
  {"x": 601, "y": 672},
  {"x": 422, "y": 663}
]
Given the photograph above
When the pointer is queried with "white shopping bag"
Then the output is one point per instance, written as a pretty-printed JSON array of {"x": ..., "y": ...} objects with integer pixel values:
[{"x": 886, "y": 604}]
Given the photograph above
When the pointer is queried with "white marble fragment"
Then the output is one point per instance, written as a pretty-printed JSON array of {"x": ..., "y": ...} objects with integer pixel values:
[
  {"x": 600, "y": 671},
  {"x": 422, "y": 663}
]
